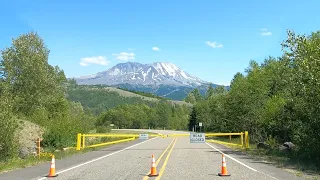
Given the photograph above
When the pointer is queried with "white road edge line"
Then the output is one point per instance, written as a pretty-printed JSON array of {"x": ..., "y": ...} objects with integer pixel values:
[
  {"x": 102, "y": 157},
  {"x": 234, "y": 159}
]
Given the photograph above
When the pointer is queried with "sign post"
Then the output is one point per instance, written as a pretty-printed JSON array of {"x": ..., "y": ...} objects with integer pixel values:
[
  {"x": 200, "y": 125},
  {"x": 143, "y": 136},
  {"x": 197, "y": 138}
]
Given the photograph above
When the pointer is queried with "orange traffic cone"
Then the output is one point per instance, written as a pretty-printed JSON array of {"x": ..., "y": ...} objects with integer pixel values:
[
  {"x": 52, "y": 171},
  {"x": 224, "y": 171},
  {"x": 153, "y": 171}
]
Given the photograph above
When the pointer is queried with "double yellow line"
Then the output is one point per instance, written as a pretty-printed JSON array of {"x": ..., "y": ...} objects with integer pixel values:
[{"x": 173, "y": 143}]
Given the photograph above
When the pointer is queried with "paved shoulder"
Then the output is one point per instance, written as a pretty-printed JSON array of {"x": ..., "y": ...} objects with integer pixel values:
[
  {"x": 42, "y": 169},
  {"x": 262, "y": 167}
]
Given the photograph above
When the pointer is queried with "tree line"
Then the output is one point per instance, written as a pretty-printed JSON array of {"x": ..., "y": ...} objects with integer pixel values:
[
  {"x": 277, "y": 99},
  {"x": 159, "y": 116}
]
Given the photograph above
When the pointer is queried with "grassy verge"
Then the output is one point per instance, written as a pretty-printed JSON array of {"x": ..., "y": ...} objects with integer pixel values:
[
  {"x": 17, "y": 163},
  {"x": 307, "y": 170}
]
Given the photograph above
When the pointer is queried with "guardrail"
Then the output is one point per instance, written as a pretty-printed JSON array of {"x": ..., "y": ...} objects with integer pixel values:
[
  {"x": 81, "y": 139},
  {"x": 244, "y": 139}
]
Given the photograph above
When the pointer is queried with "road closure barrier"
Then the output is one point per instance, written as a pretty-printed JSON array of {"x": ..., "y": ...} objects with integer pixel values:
[
  {"x": 244, "y": 139},
  {"x": 96, "y": 140},
  {"x": 196, "y": 137}
]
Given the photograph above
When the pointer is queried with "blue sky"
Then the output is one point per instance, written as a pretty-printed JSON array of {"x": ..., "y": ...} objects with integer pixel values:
[{"x": 209, "y": 39}]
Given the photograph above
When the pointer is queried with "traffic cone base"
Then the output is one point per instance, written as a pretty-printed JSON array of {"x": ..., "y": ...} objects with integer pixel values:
[
  {"x": 52, "y": 176},
  {"x": 220, "y": 174},
  {"x": 153, "y": 175}
]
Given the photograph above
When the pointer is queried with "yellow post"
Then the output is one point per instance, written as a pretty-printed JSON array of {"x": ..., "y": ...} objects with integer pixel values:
[
  {"x": 83, "y": 141},
  {"x": 241, "y": 139},
  {"x": 246, "y": 137},
  {"x": 78, "y": 141}
]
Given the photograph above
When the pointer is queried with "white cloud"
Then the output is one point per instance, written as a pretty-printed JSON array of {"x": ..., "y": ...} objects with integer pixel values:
[
  {"x": 214, "y": 44},
  {"x": 265, "y": 32},
  {"x": 155, "y": 48},
  {"x": 100, "y": 60},
  {"x": 131, "y": 49},
  {"x": 124, "y": 56}
]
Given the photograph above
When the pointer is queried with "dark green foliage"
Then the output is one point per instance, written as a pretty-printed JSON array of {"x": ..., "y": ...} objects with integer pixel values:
[
  {"x": 98, "y": 100},
  {"x": 146, "y": 94},
  {"x": 8, "y": 146},
  {"x": 52, "y": 139},
  {"x": 137, "y": 116},
  {"x": 193, "y": 119},
  {"x": 277, "y": 100}
]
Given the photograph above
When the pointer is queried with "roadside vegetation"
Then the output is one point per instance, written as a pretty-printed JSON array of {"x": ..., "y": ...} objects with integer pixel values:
[
  {"x": 37, "y": 101},
  {"x": 277, "y": 101}
]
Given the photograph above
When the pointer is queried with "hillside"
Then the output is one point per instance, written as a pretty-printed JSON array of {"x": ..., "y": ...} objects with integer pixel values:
[
  {"x": 168, "y": 91},
  {"x": 101, "y": 98}
]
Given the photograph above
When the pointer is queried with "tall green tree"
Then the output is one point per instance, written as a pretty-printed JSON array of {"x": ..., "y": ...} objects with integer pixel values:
[
  {"x": 193, "y": 119},
  {"x": 210, "y": 91},
  {"x": 34, "y": 84}
]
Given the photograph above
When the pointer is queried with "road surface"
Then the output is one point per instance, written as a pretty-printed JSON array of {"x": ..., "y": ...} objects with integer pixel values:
[{"x": 176, "y": 158}]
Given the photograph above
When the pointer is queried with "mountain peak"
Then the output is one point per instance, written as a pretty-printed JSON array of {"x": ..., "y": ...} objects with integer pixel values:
[{"x": 156, "y": 73}]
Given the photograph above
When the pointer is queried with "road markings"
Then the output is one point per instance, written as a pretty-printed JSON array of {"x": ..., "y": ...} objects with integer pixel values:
[
  {"x": 159, "y": 159},
  {"x": 234, "y": 159},
  {"x": 102, "y": 157},
  {"x": 166, "y": 161}
]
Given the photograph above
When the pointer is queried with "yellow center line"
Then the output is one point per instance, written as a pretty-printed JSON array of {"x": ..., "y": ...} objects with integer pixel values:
[
  {"x": 166, "y": 161},
  {"x": 159, "y": 159}
]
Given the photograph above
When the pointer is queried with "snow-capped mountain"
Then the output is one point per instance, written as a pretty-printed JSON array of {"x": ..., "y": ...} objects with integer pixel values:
[{"x": 159, "y": 73}]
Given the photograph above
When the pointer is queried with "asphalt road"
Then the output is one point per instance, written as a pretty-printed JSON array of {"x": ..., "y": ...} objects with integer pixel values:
[{"x": 176, "y": 158}]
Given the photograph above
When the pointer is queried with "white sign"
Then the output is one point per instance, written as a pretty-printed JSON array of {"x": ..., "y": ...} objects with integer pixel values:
[
  {"x": 143, "y": 136},
  {"x": 200, "y": 124},
  {"x": 197, "y": 138}
]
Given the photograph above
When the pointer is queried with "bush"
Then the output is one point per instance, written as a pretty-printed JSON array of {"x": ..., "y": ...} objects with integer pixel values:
[
  {"x": 103, "y": 129},
  {"x": 52, "y": 139},
  {"x": 8, "y": 145}
]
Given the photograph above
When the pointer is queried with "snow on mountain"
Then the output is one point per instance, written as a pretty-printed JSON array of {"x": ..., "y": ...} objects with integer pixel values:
[{"x": 143, "y": 74}]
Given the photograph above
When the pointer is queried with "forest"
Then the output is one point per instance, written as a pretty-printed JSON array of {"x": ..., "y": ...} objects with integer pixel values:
[{"x": 277, "y": 100}]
